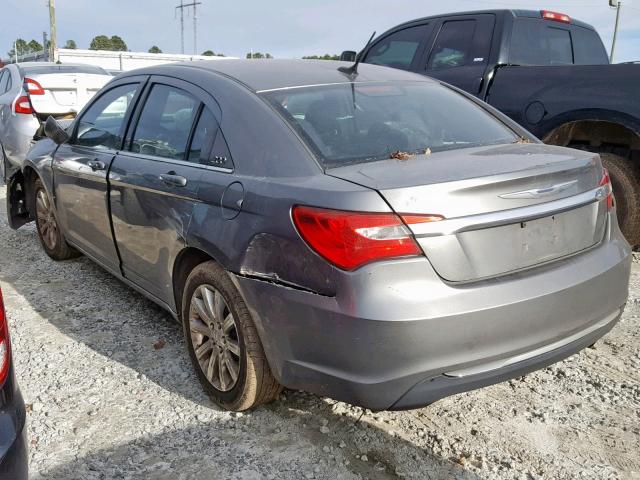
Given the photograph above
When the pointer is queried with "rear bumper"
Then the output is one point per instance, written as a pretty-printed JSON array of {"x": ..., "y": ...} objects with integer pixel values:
[
  {"x": 394, "y": 331},
  {"x": 435, "y": 388}
]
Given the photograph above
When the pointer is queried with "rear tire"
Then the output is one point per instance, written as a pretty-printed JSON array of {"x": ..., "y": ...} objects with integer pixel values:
[
  {"x": 625, "y": 180},
  {"x": 218, "y": 325},
  {"x": 49, "y": 233}
]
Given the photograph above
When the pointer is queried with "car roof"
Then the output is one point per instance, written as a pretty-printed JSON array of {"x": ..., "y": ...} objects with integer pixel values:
[
  {"x": 512, "y": 12},
  {"x": 273, "y": 74}
]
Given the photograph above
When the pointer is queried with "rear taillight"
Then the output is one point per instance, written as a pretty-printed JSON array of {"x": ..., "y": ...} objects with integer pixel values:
[
  {"x": 4, "y": 344},
  {"x": 555, "y": 16},
  {"x": 23, "y": 105},
  {"x": 33, "y": 87},
  {"x": 349, "y": 240},
  {"x": 605, "y": 181}
]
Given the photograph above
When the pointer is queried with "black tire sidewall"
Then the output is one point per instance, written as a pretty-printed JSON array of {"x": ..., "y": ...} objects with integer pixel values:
[
  {"x": 218, "y": 279},
  {"x": 625, "y": 181}
]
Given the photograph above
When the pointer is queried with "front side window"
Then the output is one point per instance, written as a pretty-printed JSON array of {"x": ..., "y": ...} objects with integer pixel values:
[
  {"x": 398, "y": 49},
  {"x": 362, "y": 122},
  {"x": 165, "y": 123},
  {"x": 102, "y": 125},
  {"x": 453, "y": 45}
]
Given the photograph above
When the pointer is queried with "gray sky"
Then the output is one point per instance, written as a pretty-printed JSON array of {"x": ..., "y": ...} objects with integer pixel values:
[{"x": 284, "y": 28}]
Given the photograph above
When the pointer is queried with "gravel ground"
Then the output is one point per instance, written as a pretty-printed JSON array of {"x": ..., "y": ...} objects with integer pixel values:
[{"x": 111, "y": 395}]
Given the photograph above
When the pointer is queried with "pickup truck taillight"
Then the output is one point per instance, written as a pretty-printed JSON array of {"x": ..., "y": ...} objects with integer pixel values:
[
  {"x": 605, "y": 181},
  {"x": 555, "y": 16},
  {"x": 5, "y": 358},
  {"x": 349, "y": 240},
  {"x": 23, "y": 105},
  {"x": 33, "y": 87}
]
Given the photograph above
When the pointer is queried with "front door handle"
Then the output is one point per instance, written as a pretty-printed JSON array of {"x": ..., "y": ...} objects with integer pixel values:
[
  {"x": 96, "y": 165},
  {"x": 173, "y": 180}
]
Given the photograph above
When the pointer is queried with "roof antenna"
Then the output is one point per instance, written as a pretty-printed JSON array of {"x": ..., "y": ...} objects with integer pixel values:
[{"x": 352, "y": 71}]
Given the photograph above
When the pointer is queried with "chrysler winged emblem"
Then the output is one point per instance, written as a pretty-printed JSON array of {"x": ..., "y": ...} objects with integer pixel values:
[{"x": 540, "y": 192}]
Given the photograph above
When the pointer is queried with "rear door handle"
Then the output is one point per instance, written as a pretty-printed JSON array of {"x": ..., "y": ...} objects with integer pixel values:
[
  {"x": 96, "y": 165},
  {"x": 173, "y": 180}
]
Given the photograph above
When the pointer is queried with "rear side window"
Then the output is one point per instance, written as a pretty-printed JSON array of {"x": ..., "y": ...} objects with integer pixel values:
[
  {"x": 588, "y": 48},
  {"x": 398, "y": 49},
  {"x": 453, "y": 45},
  {"x": 165, "y": 123},
  {"x": 101, "y": 125},
  {"x": 203, "y": 137},
  {"x": 535, "y": 42}
]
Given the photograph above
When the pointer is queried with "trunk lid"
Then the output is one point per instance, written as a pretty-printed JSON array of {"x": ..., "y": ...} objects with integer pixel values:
[
  {"x": 505, "y": 208},
  {"x": 65, "y": 93}
]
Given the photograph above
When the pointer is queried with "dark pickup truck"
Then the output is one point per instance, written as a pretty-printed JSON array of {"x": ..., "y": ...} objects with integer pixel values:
[{"x": 548, "y": 72}]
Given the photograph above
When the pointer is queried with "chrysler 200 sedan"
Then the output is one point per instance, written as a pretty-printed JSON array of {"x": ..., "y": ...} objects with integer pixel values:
[{"x": 374, "y": 236}]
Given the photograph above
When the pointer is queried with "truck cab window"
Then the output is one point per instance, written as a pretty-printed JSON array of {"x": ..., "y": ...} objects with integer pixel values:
[
  {"x": 453, "y": 45},
  {"x": 533, "y": 42},
  {"x": 560, "y": 51},
  {"x": 398, "y": 49}
]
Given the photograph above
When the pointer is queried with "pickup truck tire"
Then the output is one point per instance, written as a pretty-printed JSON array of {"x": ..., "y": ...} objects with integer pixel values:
[
  {"x": 49, "y": 233},
  {"x": 225, "y": 332},
  {"x": 625, "y": 180}
]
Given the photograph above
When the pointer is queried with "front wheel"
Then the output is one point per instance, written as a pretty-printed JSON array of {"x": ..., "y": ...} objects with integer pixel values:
[
  {"x": 51, "y": 238},
  {"x": 223, "y": 343}
]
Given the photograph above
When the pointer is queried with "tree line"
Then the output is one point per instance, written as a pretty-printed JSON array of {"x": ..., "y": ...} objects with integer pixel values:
[{"x": 114, "y": 43}]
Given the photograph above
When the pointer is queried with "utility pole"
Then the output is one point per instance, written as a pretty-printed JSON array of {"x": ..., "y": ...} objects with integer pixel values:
[
  {"x": 52, "y": 30},
  {"x": 44, "y": 44},
  {"x": 617, "y": 5},
  {"x": 195, "y": 29},
  {"x": 182, "y": 6}
]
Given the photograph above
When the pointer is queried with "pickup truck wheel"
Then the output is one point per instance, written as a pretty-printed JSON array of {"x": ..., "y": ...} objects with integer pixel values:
[
  {"x": 51, "y": 238},
  {"x": 625, "y": 180},
  {"x": 223, "y": 343}
]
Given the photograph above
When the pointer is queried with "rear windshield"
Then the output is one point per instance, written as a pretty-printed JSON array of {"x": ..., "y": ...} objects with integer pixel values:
[
  {"x": 362, "y": 122},
  {"x": 542, "y": 42},
  {"x": 45, "y": 69}
]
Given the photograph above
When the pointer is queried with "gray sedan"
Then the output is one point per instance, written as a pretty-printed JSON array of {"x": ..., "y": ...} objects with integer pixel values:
[{"x": 373, "y": 236}]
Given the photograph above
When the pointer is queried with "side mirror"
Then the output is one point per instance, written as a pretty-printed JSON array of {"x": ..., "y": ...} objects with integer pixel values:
[
  {"x": 348, "y": 56},
  {"x": 54, "y": 131}
]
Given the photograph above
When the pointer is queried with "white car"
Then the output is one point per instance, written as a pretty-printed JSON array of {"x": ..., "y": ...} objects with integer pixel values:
[{"x": 30, "y": 92}]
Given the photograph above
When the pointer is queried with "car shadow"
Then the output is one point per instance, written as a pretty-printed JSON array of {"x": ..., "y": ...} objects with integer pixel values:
[
  {"x": 274, "y": 442},
  {"x": 89, "y": 305}
]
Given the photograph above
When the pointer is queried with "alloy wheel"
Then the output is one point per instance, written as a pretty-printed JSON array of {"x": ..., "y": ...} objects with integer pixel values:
[
  {"x": 214, "y": 337},
  {"x": 47, "y": 223}
]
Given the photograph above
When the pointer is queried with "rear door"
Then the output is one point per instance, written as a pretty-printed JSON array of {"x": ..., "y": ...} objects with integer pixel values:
[
  {"x": 154, "y": 182},
  {"x": 460, "y": 52},
  {"x": 80, "y": 171}
]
